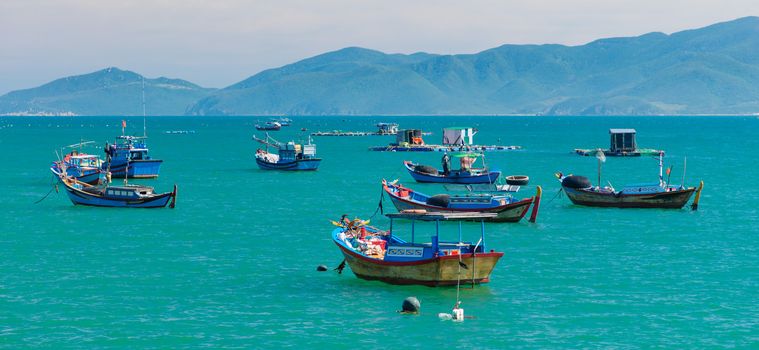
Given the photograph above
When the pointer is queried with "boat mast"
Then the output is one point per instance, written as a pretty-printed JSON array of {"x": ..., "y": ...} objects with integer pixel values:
[
  {"x": 661, "y": 169},
  {"x": 144, "y": 128},
  {"x": 685, "y": 163}
]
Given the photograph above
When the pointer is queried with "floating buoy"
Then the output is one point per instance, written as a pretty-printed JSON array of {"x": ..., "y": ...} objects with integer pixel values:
[
  {"x": 411, "y": 305},
  {"x": 321, "y": 268}
]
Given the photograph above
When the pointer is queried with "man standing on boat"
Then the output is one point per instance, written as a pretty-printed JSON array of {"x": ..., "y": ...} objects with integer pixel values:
[{"x": 446, "y": 163}]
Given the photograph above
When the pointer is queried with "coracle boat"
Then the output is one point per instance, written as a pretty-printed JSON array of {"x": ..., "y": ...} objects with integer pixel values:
[
  {"x": 506, "y": 207},
  {"x": 107, "y": 195},
  {"x": 518, "y": 180},
  {"x": 289, "y": 156},
  {"x": 82, "y": 166},
  {"x": 373, "y": 254},
  {"x": 128, "y": 157},
  {"x": 466, "y": 174},
  {"x": 651, "y": 195}
]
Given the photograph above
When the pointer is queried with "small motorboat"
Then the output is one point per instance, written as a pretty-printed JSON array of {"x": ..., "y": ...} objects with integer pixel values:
[
  {"x": 466, "y": 174},
  {"x": 518, "y": 180},
  {"x": 269, "y": 126},
  {"x": 374, "y": 254},
  {"x": 506, "y": 207},
  {"x": 289, "y": 156}
]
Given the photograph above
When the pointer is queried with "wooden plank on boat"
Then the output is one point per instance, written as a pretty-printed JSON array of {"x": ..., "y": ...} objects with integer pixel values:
[{"x": 442, "y": 216}]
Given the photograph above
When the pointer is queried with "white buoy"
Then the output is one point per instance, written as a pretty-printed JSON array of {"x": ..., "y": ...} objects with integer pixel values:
[{"x": 458, "y": 314}]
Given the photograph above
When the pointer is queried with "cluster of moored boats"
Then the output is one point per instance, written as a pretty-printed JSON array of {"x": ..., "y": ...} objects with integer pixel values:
[
  {"x": 88, "y": 179},
  {"x": 474, "y": 192},
  {"x": 477, "y": 193}
]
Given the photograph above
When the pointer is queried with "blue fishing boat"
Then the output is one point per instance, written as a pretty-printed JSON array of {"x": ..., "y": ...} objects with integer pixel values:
[
  {"x": 125, "y": 196},
  {"x": 269, "y": 126},
  {"x": 374, "y": 254},
  {"x": 506, "y": 207},
  {"x": 466, "y": 174},
  {"x": 82, "y": 166},
  {"x": 128, "y": 157},
  {"x": 290, "y": 156}
]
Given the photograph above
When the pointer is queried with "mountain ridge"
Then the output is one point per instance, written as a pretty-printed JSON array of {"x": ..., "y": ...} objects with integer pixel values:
[{"x": 708, "y": 70}]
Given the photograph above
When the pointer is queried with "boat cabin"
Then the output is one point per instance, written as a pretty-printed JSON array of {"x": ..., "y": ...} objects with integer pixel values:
[
  {"x": 458, "y": 136},
  {"x": 409, "y": 136},
  {"x": 399, "y": 249},
  {"x": 387, "y": 128},
  {"x": 622, "y": 140}
]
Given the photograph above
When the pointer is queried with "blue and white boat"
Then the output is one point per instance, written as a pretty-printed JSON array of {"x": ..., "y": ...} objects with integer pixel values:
[
  {"x": 466, "y": 174},
  {"x": 107, "y": 195},
  {"x": 128, "y": 157},
  {"x": 82, "y": 166},
  {"x": 289, "y": 156}
]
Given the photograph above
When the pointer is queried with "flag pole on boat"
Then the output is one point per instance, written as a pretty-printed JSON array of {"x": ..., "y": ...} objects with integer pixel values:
[{"x": 601, "y": 159}]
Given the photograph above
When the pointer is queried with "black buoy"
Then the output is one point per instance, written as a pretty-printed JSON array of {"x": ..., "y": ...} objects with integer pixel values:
[
  {"x": 411, "y": 305},
  {"x": 321, "y": 268}
]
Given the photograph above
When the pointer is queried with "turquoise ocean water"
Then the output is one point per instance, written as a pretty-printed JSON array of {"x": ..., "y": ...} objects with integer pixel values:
[{"x": 233, "y": 266}]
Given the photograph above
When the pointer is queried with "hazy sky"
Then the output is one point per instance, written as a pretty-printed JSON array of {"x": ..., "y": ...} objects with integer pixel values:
[{"x": 217, "y": 43}]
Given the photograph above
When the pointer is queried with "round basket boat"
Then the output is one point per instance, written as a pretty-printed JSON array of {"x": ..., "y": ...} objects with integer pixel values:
[{"x": 517, "y": 180}]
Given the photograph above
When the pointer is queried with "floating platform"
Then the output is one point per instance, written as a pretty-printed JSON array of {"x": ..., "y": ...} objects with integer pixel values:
[
  {"x": 618, "y": 153},
  {"x": 442, "y": 148},
  {"x": 622, "y": 144},
  {"x": 382, "y": 130}
]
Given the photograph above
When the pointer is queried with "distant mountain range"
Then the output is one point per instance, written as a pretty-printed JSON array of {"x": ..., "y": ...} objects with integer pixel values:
[{"x": 711, "y": 70}]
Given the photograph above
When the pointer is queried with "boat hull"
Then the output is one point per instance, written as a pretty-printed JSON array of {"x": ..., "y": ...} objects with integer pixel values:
[
  {"x": 670, "y": 200},
  {"x": 80, "y": 197},
  {"x": 438, "y": 271},
  {"x": 297, "y": 165},
  {"x": 454, "y": 177},
  {"x": 512, "y": 212},
  {"x": 88, "y": 176},
  {"x": 139, "y": 169}
]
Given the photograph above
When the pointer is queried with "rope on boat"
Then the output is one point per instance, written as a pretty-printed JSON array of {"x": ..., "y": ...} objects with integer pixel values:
[
  {"x": 379, "y": 206},
  {"x": 54, "y": 186},
  {"x": 558, "y": 194}
]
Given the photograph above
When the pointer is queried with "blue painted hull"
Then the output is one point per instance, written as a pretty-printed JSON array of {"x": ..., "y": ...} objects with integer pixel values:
[
  {"x": 91, "y": 177},
  {"x": 137, "y": 168},
  {"x": 454, "y": 177},
  {"x": 297, "y": 165},
  {"x": 81, "y": 197}
]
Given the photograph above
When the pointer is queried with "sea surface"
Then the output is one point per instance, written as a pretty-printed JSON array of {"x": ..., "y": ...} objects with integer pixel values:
[{"x": 234, "y": 265}]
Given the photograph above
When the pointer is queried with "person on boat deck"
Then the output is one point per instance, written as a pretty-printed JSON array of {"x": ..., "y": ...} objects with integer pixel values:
[
  {"x": 446, "y": 163},
  {"x": 466, "y": 163}
]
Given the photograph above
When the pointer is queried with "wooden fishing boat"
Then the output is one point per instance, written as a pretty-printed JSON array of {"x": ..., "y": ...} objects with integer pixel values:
[
  {"x": 466, "y": 174},
  {"x": 129, "y": 157},
  {"x": 82, "y": 166},
  {"x": 506, "y": 207},
  {"x": 107, "y": 195},
  {"x": 649, "y": 195},
  {"x": 289, "y": 156},
  {"x": 373, "y": 254}
]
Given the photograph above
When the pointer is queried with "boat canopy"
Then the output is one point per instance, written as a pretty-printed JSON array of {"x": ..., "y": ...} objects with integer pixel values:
[
  {"x": 465, "y": 154},
  {"x": 441, "y": 216}
]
